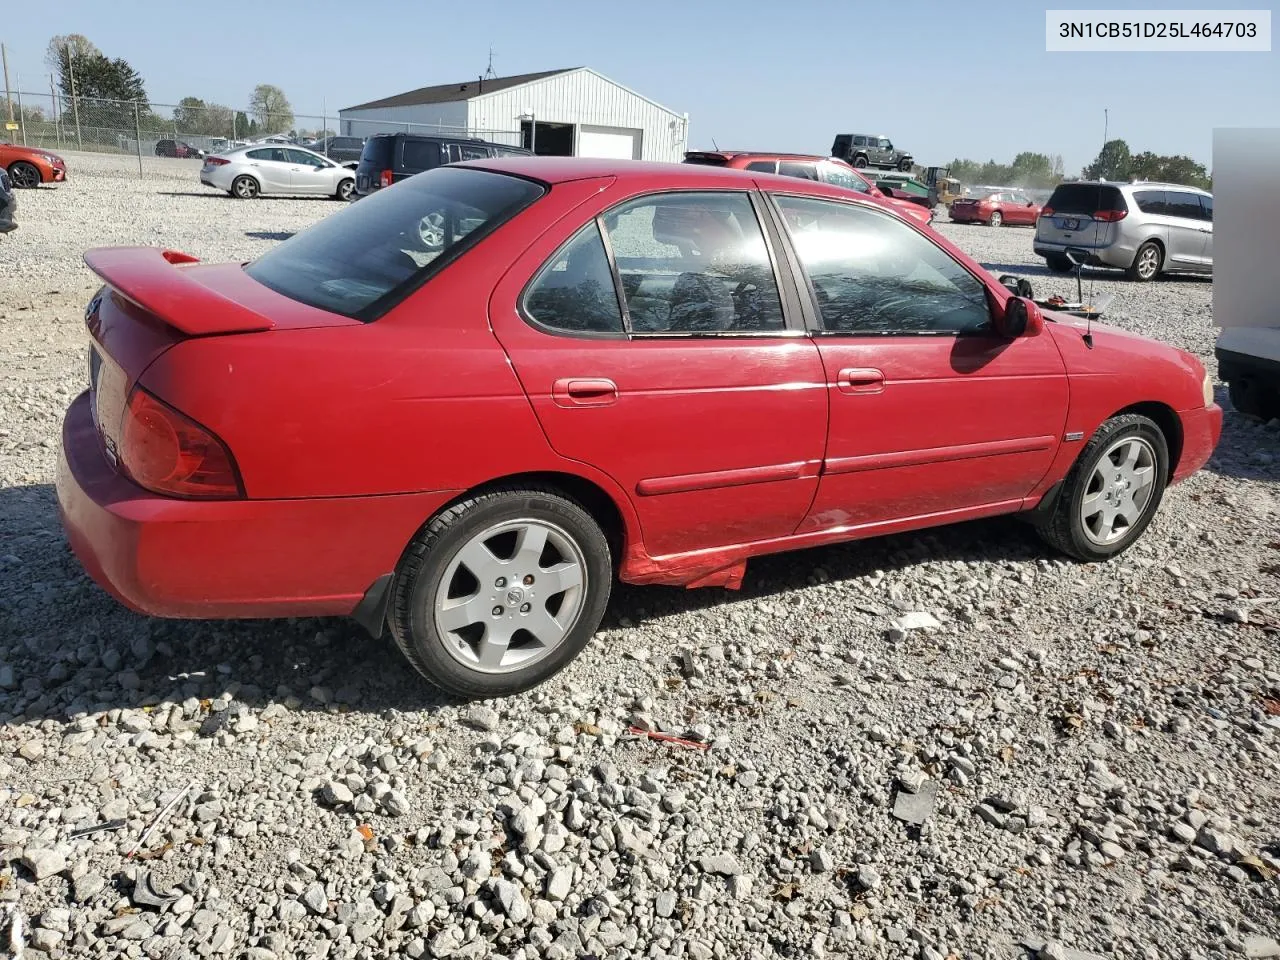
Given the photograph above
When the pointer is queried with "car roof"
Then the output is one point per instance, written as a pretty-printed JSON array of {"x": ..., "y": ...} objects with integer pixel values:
[
  {"x": 1134, "y": 185},
  {"x": 761, "y": 154},
  {"x": 648, "y": 173}
]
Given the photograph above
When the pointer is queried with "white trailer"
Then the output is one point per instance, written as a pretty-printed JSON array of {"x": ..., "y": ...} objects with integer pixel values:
[{"x": 1246, "y": 297}]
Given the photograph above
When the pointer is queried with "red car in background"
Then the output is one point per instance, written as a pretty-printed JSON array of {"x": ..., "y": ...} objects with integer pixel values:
[
  {"x": 998, "y": 208},
  {"x": 462, "y": 406},
  {"x": 808, "y": 167},
  {"x": 29, "y": 167}
]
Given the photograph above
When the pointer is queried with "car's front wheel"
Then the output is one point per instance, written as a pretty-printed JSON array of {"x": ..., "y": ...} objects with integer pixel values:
[
  {"x": 501, "y": 591},
  {"x": 1112, "y": 491},
  {"x": 25, "y": 175}
]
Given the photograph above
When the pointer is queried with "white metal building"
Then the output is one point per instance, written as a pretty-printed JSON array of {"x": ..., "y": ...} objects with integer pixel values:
[{"x": 573, "y": 112}]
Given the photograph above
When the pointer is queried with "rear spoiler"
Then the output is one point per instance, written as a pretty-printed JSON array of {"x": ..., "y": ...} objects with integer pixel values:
[{"x": 153, "y": 279}]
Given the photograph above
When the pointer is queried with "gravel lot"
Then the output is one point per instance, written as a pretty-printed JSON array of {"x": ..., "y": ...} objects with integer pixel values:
[{"x": 1094, "y": 752}]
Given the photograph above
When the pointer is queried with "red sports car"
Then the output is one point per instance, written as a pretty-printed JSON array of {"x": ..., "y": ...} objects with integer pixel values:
[
  {"x": 461, "y": 407},
  {"x": 31, "y": 166},
  {"x": 1001, "y": 207}
]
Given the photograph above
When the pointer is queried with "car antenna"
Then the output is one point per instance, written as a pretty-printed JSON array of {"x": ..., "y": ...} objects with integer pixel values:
[
  {"x": 715, "y": 146},
  {"x": 1088, "y": 317}
]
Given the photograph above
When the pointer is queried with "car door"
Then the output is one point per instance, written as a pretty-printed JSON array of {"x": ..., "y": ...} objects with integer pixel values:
[
  {"x": 932, "y": 416},
  {"x": 668, "y": 361},
  {"x": 271, "y": 167},
  {"x": 884, "y": 152},
  {"x": 1186, "y": 230},
  {"x": 1206, "y": 224},
  {"x": 309, "y": 175},
  {"x": 1019, "y": 210}
]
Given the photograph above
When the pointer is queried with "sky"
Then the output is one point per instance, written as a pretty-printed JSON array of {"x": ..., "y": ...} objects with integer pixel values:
[{"x": 942, "y": 80}]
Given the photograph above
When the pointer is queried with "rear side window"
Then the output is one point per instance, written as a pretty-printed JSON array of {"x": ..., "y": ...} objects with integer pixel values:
[
  {"x": 574, "y": 292},
  {"x": 1086, "y": 198},
  {"x": 377, "y": 151},
  {"x": 763, "y": 166},
  {"x": 422, "y": 154},
  {"x": 1150, "y": 201},
  {"x": 362, "y": 260}
]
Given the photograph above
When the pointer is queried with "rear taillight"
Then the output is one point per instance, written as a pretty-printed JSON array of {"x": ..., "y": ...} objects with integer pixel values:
[
  {"x": 215, "y": 161},
  {"x": 169, "y": 453},
  {"x": 385, "y": 178},
  {"x": 1110, "y": 216},
  {"x": 1046, "y": 212}
]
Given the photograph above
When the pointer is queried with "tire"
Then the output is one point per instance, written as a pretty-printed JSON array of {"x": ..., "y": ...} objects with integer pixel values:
[
  {"x": 25, "y": 176},
  {"x": 996, "y": 219},
  {"x": 345, "y": 189},
  {"x": 905, "y": 165},
  {"x": 1058, "y": 263},
  {"x": 435, "y": 568},
  {"x": 1253, "y": 399},
  {"x": 244, "y": 188},
  {"x": 1074, "y": 527},
  {"x": 860, "y": 162},
  {"x": 1147, "y": 263}
]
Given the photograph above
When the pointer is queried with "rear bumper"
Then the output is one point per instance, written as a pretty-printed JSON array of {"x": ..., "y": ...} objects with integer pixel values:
[
  {"x": 1201, "y": 430},
  {"x": 1117, "y": 255},
  {"x": 231, "y": 558}
]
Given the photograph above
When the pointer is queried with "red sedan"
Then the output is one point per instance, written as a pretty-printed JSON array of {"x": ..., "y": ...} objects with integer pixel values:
[
  {"x": 29, "y": 167},
  {"x": 997, "y": 208},
  {"x": 462, "y": 406}
]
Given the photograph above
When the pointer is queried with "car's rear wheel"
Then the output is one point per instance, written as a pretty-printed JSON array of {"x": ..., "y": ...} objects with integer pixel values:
[
  {"x": 860, "y": 162},
  {"x": 244, "y": 188},
  {"x": 1058, "y": 263},
  {"x": 1146, "y": 262},
  {"x": 1112, "y": 491},
  {"x": 501, "y": 591},
  {"x": 996, "y": 218},
  {"x": 345, "y": 189},
  {"x": 25, "y": 175}
]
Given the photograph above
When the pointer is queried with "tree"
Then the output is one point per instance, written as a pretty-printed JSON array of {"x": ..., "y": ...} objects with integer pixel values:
[
  {"x": 1112, "y": 162},
  {"x": 270, "y": 107},
  {"x": 96, "y": 75},
  {"x": 81, "y": 46},
  {"x": 189, "y": 115}
]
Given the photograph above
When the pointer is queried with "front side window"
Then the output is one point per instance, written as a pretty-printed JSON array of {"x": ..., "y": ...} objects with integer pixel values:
[
  {"x": 872, "y": 274},
  {"x": 274, "y": 154},
  {"x": 763, "y": 166},
  {"x": 1206, "y": 208},
  {"x": 363, "y": 259},
  {"x": 574, "y": 291},
  {"x": 798, "y": 168},
  {"x": 694, "y": 263},
  {"x": 885, "y": 144},
  {"x": 302, "y": 158},
  {"x": 835, "y": 174}
]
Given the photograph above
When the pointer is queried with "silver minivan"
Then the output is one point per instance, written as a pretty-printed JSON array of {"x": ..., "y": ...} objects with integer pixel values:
[{"x": 1142, "y": 228}]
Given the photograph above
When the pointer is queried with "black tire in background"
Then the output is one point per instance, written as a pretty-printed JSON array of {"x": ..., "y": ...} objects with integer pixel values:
[
  {"x": 1254, "y": 398},
  {"x": 1058, "y": 263},
  {"x": 25, "y": 176}
]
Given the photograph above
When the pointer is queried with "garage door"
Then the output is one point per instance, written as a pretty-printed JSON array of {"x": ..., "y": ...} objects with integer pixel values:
[{"x": 615, "y": 143}]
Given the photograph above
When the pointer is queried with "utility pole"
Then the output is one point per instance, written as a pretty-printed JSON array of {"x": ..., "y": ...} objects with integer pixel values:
[
  {"x": 75, "y": 106},
  {"x": 8, "y": 97}
]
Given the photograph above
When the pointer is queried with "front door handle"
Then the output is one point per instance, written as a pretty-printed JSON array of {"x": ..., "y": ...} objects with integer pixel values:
[
  {"x": 584, "y": 392},
  {"x": 860, "y": 380}
]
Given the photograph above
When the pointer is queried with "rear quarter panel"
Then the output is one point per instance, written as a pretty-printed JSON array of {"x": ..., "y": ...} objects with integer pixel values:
[{"x": 421, "y": 399}]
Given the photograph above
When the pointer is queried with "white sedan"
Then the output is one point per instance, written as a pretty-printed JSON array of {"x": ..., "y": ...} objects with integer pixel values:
[{"x": 271, "y": 170}]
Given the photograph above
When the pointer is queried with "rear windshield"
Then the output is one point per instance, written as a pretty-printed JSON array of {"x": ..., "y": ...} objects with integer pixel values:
[
  {"x": 1086, "y": 198},
  {"x": 362, "y": 260},
  {"x": 377, "y": 151}
]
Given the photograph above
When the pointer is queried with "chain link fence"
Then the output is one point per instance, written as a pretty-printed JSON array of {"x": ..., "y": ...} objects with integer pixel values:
[{"x": 137, "y": 133}]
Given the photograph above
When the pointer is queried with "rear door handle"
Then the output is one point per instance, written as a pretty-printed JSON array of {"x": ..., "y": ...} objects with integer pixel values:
[
  {"x": 584, "y": 392},
  {"x": 860, "y": 380}
]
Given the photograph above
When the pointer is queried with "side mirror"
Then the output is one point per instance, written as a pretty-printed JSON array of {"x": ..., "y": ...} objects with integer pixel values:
[{"x": 1019, "y": 318}]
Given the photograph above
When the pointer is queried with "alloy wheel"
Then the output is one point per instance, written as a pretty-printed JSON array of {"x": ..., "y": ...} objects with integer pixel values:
[
  {"x": 1119, "y": 490},
  {"x": 511, "y": 595}
]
